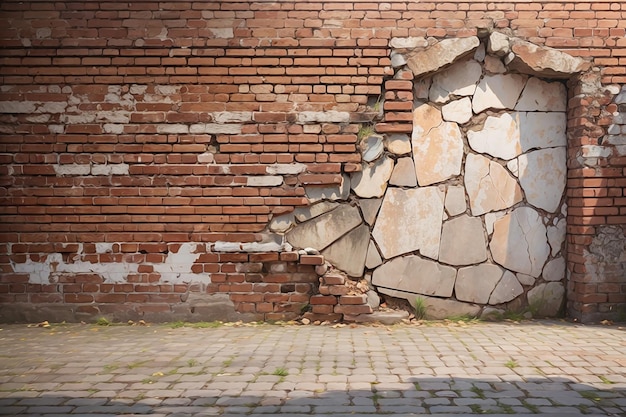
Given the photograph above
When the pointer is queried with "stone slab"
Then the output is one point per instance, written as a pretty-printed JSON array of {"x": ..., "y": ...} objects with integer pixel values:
[
  {"x": 320, "y": 232},
  {"x": 498, "y": 91},
  {"x": 542, "y": 175},
  {"x": 349, "y": 252},
  {"x": 459, "y": 79},
  {"x": 508, "y": 289},
  {"x": 441, "y": 54},
  {"x": 410, "y": 220},
  {"x": 539, "y": 95},
  {"x": 416, "y": 275},
  {"x": 499, "y": 137},
  {"x": 476, "y": 283},
  {"x": 489, "y": 186},
  {"x": 458, "y": 111},
  {"x": 372, "y": 180},
  {"x": 546, "y": 300},
  {"x": 455, "y": 203},
  {"x": 463, "y": 242},
  {"x": 519, "y": 242},
  {"x": 398, "y": 143},
  {"x": 438, "y": 154},
  {"x": 404, "y": 173}
]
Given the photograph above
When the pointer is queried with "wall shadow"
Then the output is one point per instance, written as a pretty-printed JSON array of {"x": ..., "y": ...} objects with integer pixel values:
[{"x": 414, "y": 395}]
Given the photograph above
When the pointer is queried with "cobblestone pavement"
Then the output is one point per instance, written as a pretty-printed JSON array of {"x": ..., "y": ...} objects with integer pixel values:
[{"x": 550, "y": 368}]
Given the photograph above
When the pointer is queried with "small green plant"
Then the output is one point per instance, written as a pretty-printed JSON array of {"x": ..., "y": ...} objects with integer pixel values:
[
  {"x": 192, "y": 363},
  {"x": 479, "y": 392},
  {"x": 147, "y": 381},
  {"x": 102, "y": 321},
  {"x": 511, "y": 363},
  {"x": 110, "y": 367},
  {"x": 417, "y": 386},
  {"x": 207, "y": 324},
  {"x": 177, "y": 324},
  {"x": 365, "y": 131},
  {"x": 531, "y": 407},
  {"x": 590, "y": 395},
  {"x": 605, "y": 380},
  {"x": 280, "y": 372},
  {"x": 375, "y": 399},
  {"x": 476, "y": 409},
  {"x": 228, "y": 362},
  {"x": 420, "y": 308},
  {"x": 507, "y": 409},
  {"x": 512, "y": 315}
]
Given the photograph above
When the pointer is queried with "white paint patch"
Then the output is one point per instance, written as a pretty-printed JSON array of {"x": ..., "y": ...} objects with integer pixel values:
[
  {"x": 215, "y": 128},
  {"x": 113, "y": 128},
  {"x": 223, "y": 33},
  {"x": 52, "y": 107},
  {"x": 232, "y": 116},
  {"x": 173, "y": 129},
  {"x": 72, "y": 169},
  {"x": 266, "y": 181},
  {"x": 285, "y": 169},
  {"x": 110, "y": 169},
  {"x": 138, "y": 89},
  {"x": 323, "y": 117},
  {"x": 177, "y": 266},
  {"x": 43, "y": 272},
  {"x": 17, "y": 107},
  {"x": 175, "y": 269}
]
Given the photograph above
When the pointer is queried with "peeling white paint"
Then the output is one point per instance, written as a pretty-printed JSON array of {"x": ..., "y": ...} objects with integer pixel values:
[
  {"x": 266, "y": 181},
  {"x": 215, "y": 128},
  {"x": 232, "y": 116},
  {"x": 175, "y": 269},
  {"x": 113, "y": 129},
  {"x": 43, "y": 272},
  {"x": 138, "y": 89},
  {"x": 323, "y": 117},
  {"x": 52, "y": 107},
  {"x": 172, "y": 129},
  {"x": 177, "y": 266},
  {"x": 72, "y": 169},
  {"x": 110, "y": 169},
  {"x": 17, "y": 107},
  {"x": 285, "y": 169}
]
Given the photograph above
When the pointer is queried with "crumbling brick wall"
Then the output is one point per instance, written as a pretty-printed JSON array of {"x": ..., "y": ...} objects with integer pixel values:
[{"x": 146, "y": 145}]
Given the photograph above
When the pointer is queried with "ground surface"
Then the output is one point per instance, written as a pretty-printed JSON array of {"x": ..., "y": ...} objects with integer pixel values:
[{"x": 499, "y": 368}]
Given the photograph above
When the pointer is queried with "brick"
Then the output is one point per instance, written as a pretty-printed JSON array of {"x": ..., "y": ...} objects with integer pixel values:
[
  {"x": 353, "y": 309},
  {"x": 353, "y": 299},
  {"x": 333, "y": 279},
  {"x": 323, "y": 299},
  {"x": 312, "y": 259}
]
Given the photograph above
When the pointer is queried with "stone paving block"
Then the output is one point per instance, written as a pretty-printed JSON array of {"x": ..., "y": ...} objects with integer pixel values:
[{"x": 12, "y": 410}]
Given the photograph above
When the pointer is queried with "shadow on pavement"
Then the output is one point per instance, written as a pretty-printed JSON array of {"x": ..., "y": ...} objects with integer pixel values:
[{"x": 416, "y": 396}]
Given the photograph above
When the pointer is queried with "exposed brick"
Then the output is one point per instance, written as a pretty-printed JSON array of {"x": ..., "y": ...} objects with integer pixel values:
[
  {"x": 312, "y": 259},
  {"x": 158, "y": 144},
  {"x": 323, "y": 299}
]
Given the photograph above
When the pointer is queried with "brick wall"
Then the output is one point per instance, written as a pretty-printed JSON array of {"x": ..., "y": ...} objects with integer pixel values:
[{"x": 130, "y": 130}]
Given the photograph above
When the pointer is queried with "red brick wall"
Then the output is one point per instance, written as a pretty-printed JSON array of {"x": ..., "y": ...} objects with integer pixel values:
[{"x": 111, "y": 133}]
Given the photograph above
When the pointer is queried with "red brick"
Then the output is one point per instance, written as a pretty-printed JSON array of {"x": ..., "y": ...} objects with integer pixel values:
[
  {"x": 323, "y": 299},
  {"x": 353, "y": 309},
  {"x": 312, "y": 259},
  {"x": 334, "y": 279},
  {"x": 353, "y": 299}
]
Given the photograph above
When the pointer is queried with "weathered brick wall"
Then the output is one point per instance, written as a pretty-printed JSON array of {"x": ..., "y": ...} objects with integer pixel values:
[{"x": 132, "y": 130}]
